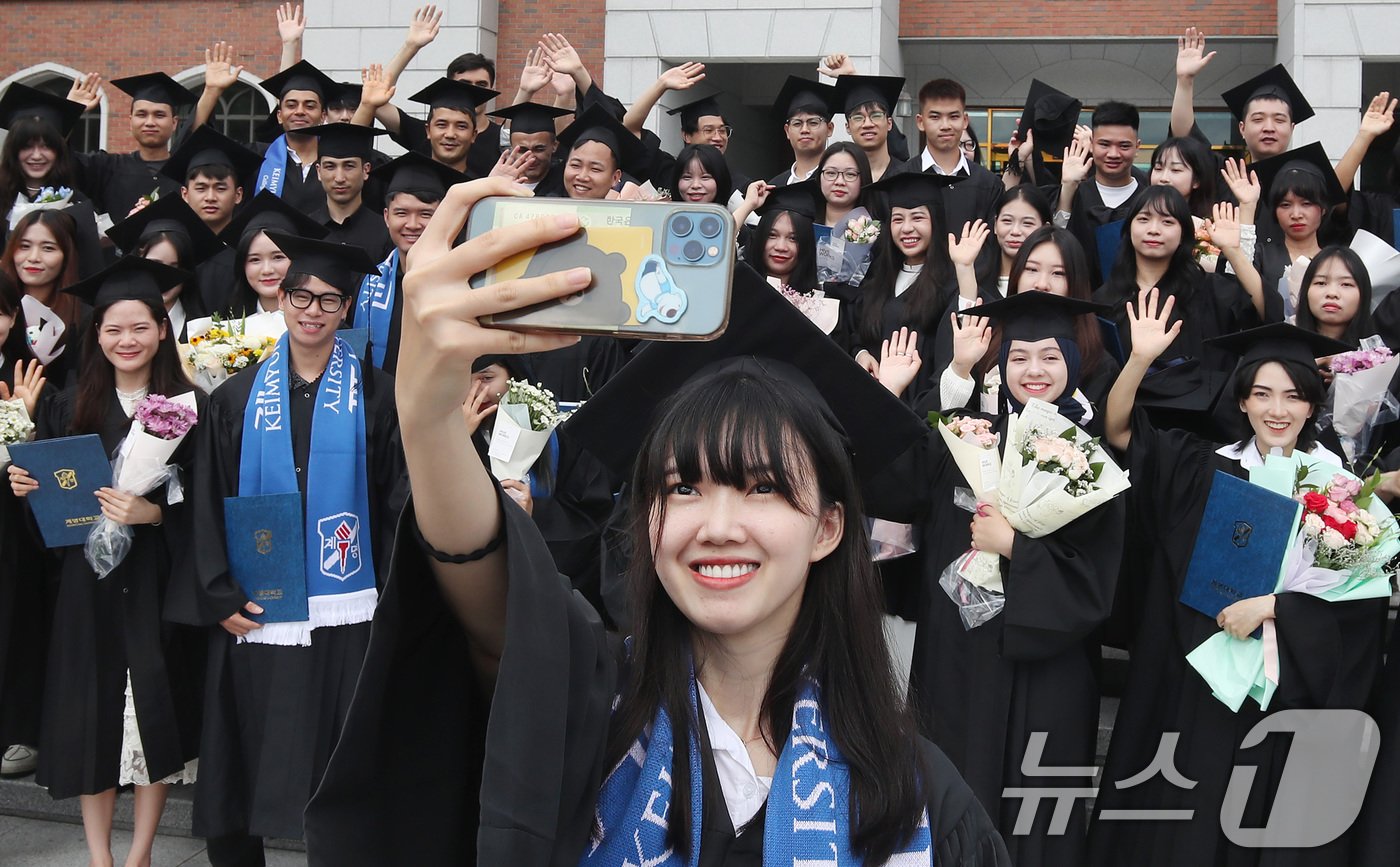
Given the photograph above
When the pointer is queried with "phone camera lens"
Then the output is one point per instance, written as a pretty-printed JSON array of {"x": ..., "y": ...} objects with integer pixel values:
[
  {"x": 682, "y": 225},
  {"x": 693, "y": 251},
  {"x": 709, "y": 227}
]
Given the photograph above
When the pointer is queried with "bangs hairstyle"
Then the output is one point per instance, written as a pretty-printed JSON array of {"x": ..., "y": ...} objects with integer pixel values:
[
  {"x": 1301, "y": 183},
  {"x": 1182, "y": 270},
  {"x": 736, "y": 428},
  {"x": 855, "y": 153},
  {"x": 243, "y": 300},
  {"x": 98, "y": 382},
  {"x": 804, "y": 272},
  {"x": 1306, "y": 379},
  {"x": 25, "y": 132},
  {"x": 1362, "y": 324},
  {"x": 926, "y": 299},
  {"x": 1203, "y": 170},
  {"x": 214, "y": 172},
  {"x": 184, "y": 247},
  {"x": 712, "y": 161}
]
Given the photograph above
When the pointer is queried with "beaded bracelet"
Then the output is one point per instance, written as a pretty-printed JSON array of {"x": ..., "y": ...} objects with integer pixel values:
[{"x": 479, "y": 553}]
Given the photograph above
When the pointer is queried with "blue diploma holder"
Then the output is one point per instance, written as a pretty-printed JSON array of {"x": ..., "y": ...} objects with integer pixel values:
[
  {"x": 1246, "y": 533},
  {"x": 69, "y": 471},
  {"x": 1108, "y": 238},
  {"x": 267, "y": 554}
]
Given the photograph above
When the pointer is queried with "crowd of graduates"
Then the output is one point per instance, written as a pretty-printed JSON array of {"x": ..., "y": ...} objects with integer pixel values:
[{"x": 500, "y": 671}]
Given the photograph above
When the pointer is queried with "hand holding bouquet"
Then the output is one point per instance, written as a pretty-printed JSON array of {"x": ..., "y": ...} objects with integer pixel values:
[
  {"x": 525, "y": 418},
  {"x": 844, "y": 256}
]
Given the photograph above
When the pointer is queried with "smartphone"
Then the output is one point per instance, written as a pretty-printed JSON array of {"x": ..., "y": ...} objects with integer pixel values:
[{"x": 661, "y": 270}]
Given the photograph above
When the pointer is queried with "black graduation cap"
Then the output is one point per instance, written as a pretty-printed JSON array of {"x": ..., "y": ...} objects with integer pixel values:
[
  {"x": 21, "y": 101},
  {"x": 267, "y": 211},
  {"x": 343, "y": 140},
  {"x": 1311, "y": 159},
  {"x": 529, "y": 118},
  {"x": 1037, "y": 315},
  {"x": 207, "y": 147},
  {"x": 340, "y": 265},
  {"x": 911, "y": 189},
  {"x": 1273, "y": 83},
  {"x": 1051, "y": 115},
  {"x": 413, "y": 173},
  {"x": 130, "y": 278},
  {"x": 598, "y": 124},
  {"x": 766, "y": 334},
  {"x": 802, "y": 198},
  {"x": 692, "y": 111},
  {"x": 804, "y": 95},
  {"x": 155, "y": 87},
  {"x": 301, "y": 75},
  {"x": 853, "y": 91},
  {"x": 347, "y": 95},
  {"x": 457, "y": 95},
  {"x": 166, "y": 214},
  {"x": 1279, "y": 341}
]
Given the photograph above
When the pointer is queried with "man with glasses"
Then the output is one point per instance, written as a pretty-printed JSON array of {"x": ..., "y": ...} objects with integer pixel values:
[
  {"x": 806, "y": 108},
  {"x": 868, "y": 102}
]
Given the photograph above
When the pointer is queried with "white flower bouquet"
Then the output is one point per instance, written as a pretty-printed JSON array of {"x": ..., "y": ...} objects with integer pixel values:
[
  {"x": 219, "y": 348},
  {"x": 525, "y": 418},
  {"x": 844, "y": 256},
  {"x": 15, "y": 427}
]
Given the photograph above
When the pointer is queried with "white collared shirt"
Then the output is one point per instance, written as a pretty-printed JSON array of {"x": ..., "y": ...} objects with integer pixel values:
[
  {"x": 744, "y": 790},
  {"x": 176, "y": 313},
  {"x": 1247, "y": 453},
  {"x": 794, "y": 178},
  {"x": 926, "y": 162}
]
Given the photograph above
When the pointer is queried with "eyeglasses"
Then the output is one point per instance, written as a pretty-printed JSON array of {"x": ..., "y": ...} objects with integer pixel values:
[
  {"x": 860, "y": 119},
  {"x": 968, "y": 145},
  {"x": 812, "y": 123},
  {"x": 847, "y": 175},
  {"x": 331, "y": 302},
  {"x": 709, "y": 131}
]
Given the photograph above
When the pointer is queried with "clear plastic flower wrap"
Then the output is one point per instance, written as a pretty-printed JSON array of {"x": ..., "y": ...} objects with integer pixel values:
[
  {"x": 1359, "y": 399},
  {"x": 889, "y": 540},
  {"x": 963, "y": 579}
]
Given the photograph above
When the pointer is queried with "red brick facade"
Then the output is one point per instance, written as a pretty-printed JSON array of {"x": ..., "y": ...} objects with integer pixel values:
[{"x": 1092, "y": 19}]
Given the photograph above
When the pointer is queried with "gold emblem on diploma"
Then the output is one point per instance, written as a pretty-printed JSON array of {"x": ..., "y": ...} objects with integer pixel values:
[
  {"x": 67, "y": 479},
  {"x": 263, "y": 540}
]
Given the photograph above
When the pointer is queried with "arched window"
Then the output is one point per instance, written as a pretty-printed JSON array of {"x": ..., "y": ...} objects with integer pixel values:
[
  {"x": 241, "y": 108},
  {"x": 90, "y": 133}
]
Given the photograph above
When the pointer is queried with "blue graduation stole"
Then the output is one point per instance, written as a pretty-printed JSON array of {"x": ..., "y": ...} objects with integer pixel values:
[
  {"x": 339, "y": 562},
  {"x": 273, "y": 173},
  {"x": 374, "y": 307}
]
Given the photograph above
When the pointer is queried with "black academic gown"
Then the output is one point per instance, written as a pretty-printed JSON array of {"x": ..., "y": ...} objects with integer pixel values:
[
  {"x": 980, "y": 694},
  {"x": 969, "y": 198},
  {"x": 116, "y": 182},
  {"x": 104, "y": 628},
  {"x": 509, "y": 776},
  {"x": 216, "y": 278},
  {"x": 574, "y": 373},
  {"x": 364, "y": 228},
  {"x": 63, "y": 370},
  {"x": 1088, "y": 212},
  {"x": 301, "y": 190},
  {"x": 272, "y": 713},
  {"x": 1328, "y": 656},
  {"x": 1212, "y": 305}
]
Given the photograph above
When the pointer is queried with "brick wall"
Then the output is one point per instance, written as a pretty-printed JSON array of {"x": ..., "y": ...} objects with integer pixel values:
[
  {"x": 522, "y": 22},
  {"x": 1084, "y": 18},
  {"x": 118, "y": 39}
]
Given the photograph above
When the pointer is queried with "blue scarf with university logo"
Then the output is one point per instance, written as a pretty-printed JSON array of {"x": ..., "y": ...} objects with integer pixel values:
[
  {"x": 340, "y": 580},
  {"x": 808, "y": 818},
  {"x": 273, "y": 172},
  {"x": 374, "y": 309}
]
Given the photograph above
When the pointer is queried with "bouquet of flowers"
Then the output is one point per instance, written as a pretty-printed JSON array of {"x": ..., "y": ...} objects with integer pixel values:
[
  {"x": 844, "y": 255},
  {"x": 142, "y": 463},
  {"x": 525, "y": 419},
  {"x": 223, "y": 347},
  {"x": 1359, "y": 399},
  {"x": 1346, "y": 536},
  {"x": 15, "y": 427},
  {"x": 47, "y": 198},
  {"x": 1206, "y": 254},
  {"x": 1290, "y": 285},
  {"x": 823, "y": 312}
]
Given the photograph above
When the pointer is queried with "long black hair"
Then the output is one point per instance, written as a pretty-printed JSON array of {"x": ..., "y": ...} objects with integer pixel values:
[
  {"x": 1306, "y": 379},
  {"x": 804, "y": 270},
  {"x": 851, "y": 150},
  {"x": 243, "y": 300},
  {"x": 712, "y": 161},
  {"x": 926, "y": 298},
  {"x": 736, "y": 428},
  {"x": 22, "y": 134},
  {"x": 1362, "y": 324},
  {"x": 1203, "y": 171},
  {"x": 98, "y": 381},
  {"x": 1182, "y": 271}
]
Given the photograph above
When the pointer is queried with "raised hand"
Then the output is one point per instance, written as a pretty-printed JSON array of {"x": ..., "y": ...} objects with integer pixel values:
[
  {"x": 560, "y": 55},
  {"x": 29, "y": 384},
  {"x": 971, "y": 337},
  {"x": 1084, "y": 135},
  {"x": 1191, "y": 55},
  {"x": 836, "y": 65},
  {"x": 291, "y": 22},
  {"x": 513, "y": 164},
  {"x": 86, "y": 90},
  {"x": 562, "y": 84},
  {"x": 1026, "y": 149},
  {"x": 1379, "y": 116},
  {"x": 220, "y": 71},
  {"x": 963, "y": 251},
  {"x": 899, "y": 360},
  {"x": 1224, "y": 226},
  {"x": 377, "y": 90},
  {"x": 683, "y": 77},
  {"x": 536, "y": 73},
  {"x": 423, "y": 29},
  {"x": 757, "y": 193},
  {"x": 1243, "y": 184},
  {"x": 1078, "y": 159},
  {"x": 1148, "y": 324}
]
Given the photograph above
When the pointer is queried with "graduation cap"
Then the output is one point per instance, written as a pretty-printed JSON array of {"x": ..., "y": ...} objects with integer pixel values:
[
  {"x": 1278, "y": 341},
  {"x": 597, "y": 124},
  {"x": 21, "y": 101},
  {"x": 266, "y": 211},
  {"x": 529, "y": 118},
  {"x": 912, "y": 189},
  {"x": 343, "y": 140},
  {"x": 206, "y": 147},
  {"x": 804, "y": 95},
  {"x": 853, "y": 91},
  {"x": 802, "y": 198},
  {"x": 340, "y": 265},
  {"x": 763, "y": 327},
  {"x": 1309, "y": 159},
  {"x": 457, "y": 95},
  {"x": 301, "y": 75},
  {"x": 130, "y": 278},
  {"x": 155, "y": 87},
  {"x": 1273, "y": 83},
  {"x": 691, "y": 112},
  {"x": 1037, "y": 315},
  {"x": 166, "y": 214},
  {"x": 424, "y": 178},
  {"x": 1051, "y": 116},
  {"x": 346, "y": 95}
]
